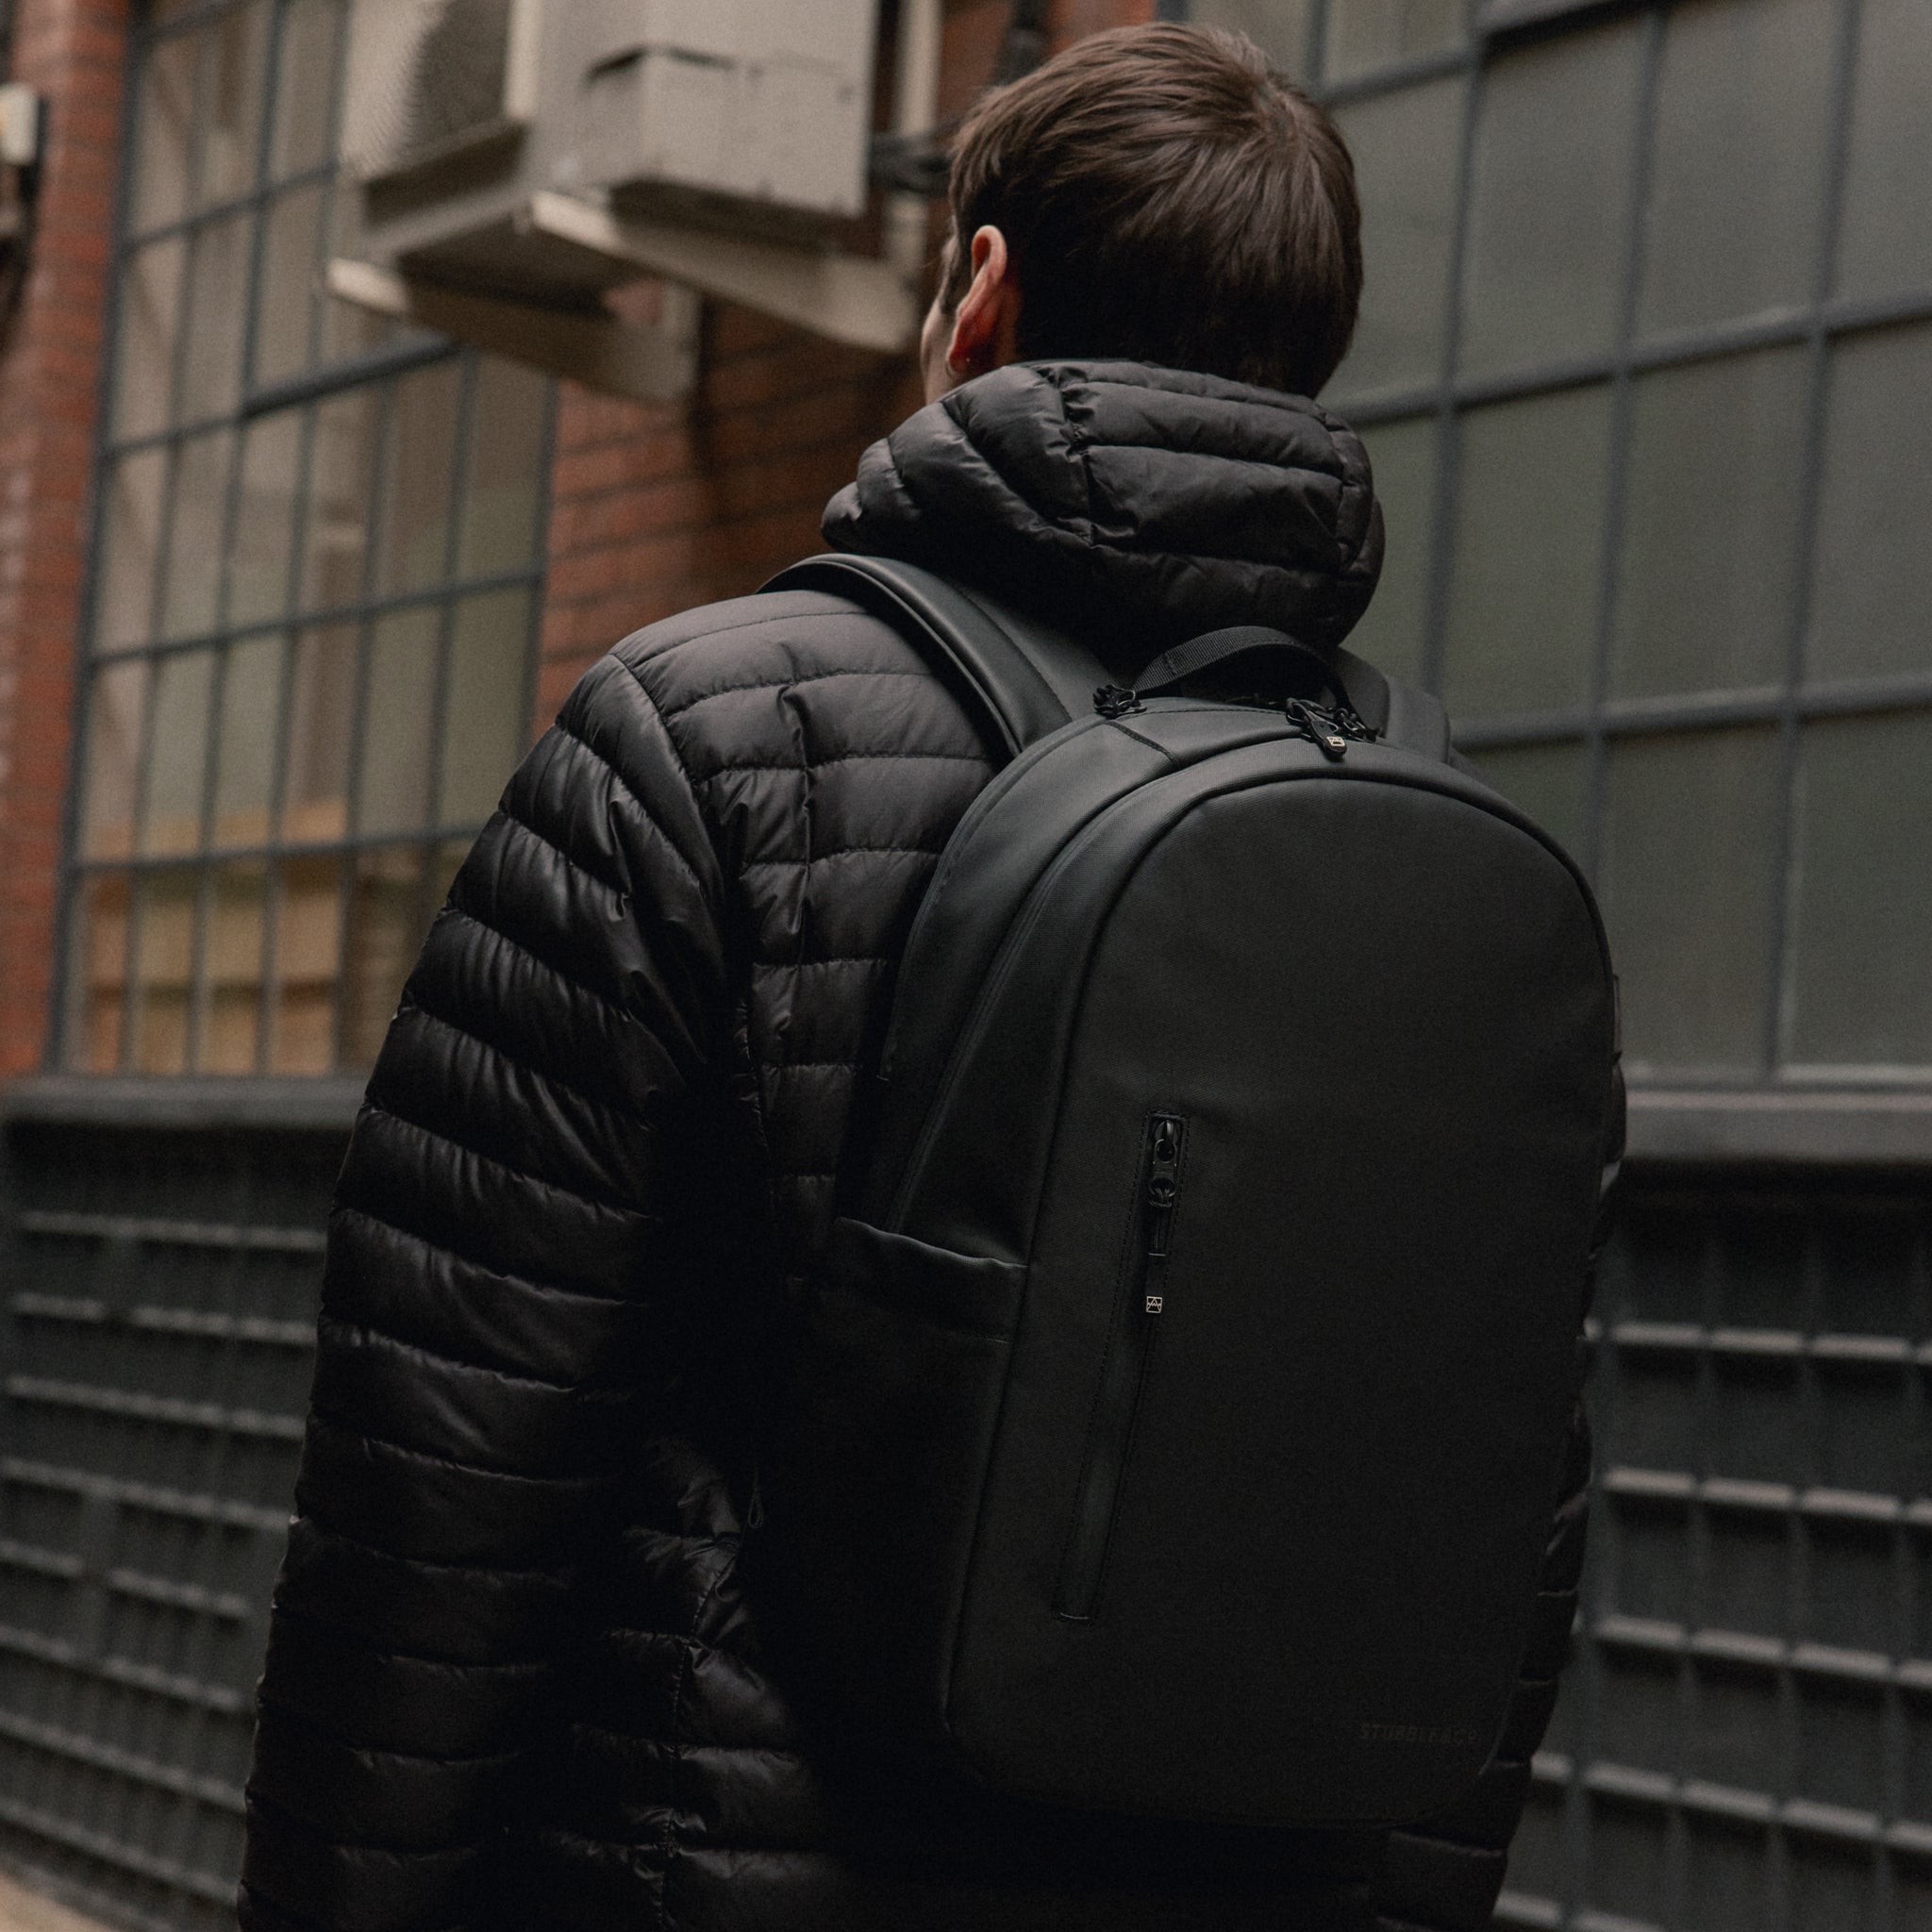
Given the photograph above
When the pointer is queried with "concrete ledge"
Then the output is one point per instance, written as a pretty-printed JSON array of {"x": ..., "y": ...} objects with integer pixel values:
[
  {"x": 313, "y": 1106},
  {"x": 1789, "y": 1127}
]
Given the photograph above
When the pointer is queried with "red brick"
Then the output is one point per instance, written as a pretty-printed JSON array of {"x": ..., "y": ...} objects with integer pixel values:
[
  {"x": 50, "y": 369},
  {"x": 730, "y": 330}
]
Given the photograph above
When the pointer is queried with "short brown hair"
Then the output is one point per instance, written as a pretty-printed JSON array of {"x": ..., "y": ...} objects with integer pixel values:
[{"x": 1168, "y": 197}]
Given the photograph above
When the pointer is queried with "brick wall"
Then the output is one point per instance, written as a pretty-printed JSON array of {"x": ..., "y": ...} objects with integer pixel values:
[
  {"x": 71, "y": 51},
  {"x": 655, "y": 509}
]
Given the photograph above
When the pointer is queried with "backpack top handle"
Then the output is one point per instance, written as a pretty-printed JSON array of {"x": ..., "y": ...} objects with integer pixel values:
[
  {"x": 1023, "y": 680},
  {"x": 1215, "y": 648}
]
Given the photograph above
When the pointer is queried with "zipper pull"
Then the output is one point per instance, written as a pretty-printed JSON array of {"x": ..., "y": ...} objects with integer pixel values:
[
  {"x": 1115, "y": 701},
  {"x": 1325, "y": 734},
  {"x": 1163, "y": 1187}
]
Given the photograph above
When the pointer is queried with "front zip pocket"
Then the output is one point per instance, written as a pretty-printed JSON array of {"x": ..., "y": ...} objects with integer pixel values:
[{"x": 1141, "y": 1304}]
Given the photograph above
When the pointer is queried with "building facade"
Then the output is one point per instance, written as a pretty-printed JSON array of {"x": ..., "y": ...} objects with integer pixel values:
[{"x": 1645, "y": 370}]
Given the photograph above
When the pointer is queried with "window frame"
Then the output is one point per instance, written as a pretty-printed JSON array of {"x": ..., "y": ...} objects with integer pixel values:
[
  {"x": 197, "y": 1094},
  {"x": 1784, "y": 1115}
]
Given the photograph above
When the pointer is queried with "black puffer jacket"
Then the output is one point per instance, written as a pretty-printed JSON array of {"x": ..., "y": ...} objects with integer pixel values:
[{"x": 516, "y": 1676}]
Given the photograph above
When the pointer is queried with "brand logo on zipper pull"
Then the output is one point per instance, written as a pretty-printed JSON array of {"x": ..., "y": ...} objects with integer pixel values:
[{"x": 1155, "y": 1304}]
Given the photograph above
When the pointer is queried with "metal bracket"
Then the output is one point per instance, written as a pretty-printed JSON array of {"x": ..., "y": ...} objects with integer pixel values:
[{"x": 654, "y": 362}]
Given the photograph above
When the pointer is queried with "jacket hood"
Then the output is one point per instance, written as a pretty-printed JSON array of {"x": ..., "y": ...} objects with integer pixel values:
[{"x": 1133, "y": 505}]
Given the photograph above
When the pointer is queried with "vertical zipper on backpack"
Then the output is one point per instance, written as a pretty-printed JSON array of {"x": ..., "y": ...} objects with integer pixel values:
[{"x": 1123, "y": 1376}]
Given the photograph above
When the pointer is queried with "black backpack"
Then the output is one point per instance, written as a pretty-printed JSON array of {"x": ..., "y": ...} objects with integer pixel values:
[{"x": 1175, "y": 1427}]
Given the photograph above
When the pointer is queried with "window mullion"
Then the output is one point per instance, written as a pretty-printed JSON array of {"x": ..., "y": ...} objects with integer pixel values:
[
  {"x": 1622, "y": 403},
  {"x": 1811, "y": 464}
]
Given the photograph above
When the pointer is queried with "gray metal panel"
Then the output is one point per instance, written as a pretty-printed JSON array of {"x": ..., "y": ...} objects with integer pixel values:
[
  {"x": 160, "y": 1294},
  {"x": 1743, "y": 1740}
]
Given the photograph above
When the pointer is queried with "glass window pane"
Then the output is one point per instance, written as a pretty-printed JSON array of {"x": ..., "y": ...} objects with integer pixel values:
[
  {"x": 231, "y": 106},
  {"x": 1686, "y": 890},
  {"x": 164, "y": 960},
  {"x": 1548, "y": 782},
  {"x": 1551, "y": 199},
  {"x": 388, "y": 919},
  {"x": 1710, "y": 536},
  {"x": 322, "y": 704},
  {"x": 290, "y": 265},
  {"x": 308, "y": 954},
  {"x": 504, "y": 471},
  {"x": 217, "y": 310},
  {"x": 166, "y": 132},
  {"x": 1859, "y": 991},
  {"x": 305, "y": 85},
  {"x": 1522, "y": 605},
  {"x": 483, "y": 706},
  {"x": 116, "y": 710},
  {"x": 413, "y": 539},
  {"x": 1278, "y": 28},
  {"x": 1369, "y": 33},
  {"x": 178, "y": 753},
  {"x": 195, "y": 536},
  {"x": 393, "y": 791},
  {"x": 1390, "y": 632},
  {"x": 348, "y": 328},
  {"x": 130, "y": 549},
  {"x": 1872, "y": 593},
  {"x": 100, "y": 975},
  {"x": 264, "y": 536},
  {"x": 245, "y": 748},
  {"x": 341, "y": 477},
  {"x": 1737, "y": 171},
  {"x": 1886, "y": 242},
  {"x": 1406, "y": 147},
  {"x": 232, "y": 1027},
  {"x": 150, "y": 295}
]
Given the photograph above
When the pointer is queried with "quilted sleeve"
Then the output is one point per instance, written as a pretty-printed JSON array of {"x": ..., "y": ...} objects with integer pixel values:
[
  {"x": 497, "y": 1246},
  {"x": 1444, "y": 1875}
]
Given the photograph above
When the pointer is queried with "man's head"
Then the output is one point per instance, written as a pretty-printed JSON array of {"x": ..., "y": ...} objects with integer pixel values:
[{"x": 1154, "y": 194}]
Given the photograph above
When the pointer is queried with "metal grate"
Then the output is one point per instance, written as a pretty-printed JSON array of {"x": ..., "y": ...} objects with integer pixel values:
[
  {"x": 1745, "y": 1737},
  {"x": 160, "y": 1309}
]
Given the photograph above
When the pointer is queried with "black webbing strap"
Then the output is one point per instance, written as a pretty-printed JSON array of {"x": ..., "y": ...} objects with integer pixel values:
[{"x": 1215, "y": 647}]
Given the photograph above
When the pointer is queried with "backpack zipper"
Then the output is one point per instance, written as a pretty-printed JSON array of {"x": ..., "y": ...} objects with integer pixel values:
[
  {"x": 1330, "y": 729},
  {"x": 1123, "y": 1373}
]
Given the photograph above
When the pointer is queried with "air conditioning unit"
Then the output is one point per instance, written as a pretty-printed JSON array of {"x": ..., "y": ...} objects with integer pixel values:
[{"x": 545, "y": 151}]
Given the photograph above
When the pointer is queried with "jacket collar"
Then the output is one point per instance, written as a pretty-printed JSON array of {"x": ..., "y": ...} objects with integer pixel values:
[{"x": 1134, "y": 506}]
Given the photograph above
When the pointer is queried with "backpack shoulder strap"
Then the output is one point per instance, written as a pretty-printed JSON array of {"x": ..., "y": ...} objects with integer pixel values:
[{"x": 1023, "y": 678}]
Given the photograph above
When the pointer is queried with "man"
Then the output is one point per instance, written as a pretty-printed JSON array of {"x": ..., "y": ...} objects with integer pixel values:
[{"x": 521, "y": 1672}]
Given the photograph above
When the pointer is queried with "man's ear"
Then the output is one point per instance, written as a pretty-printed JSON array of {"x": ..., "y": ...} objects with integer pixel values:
[{"x": 986, "y": 328}]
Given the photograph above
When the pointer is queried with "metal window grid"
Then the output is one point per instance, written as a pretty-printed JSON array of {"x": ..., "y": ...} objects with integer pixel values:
[
  {"x": 1495, "y": 29},
  {"x": 375, "y": 369}
]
